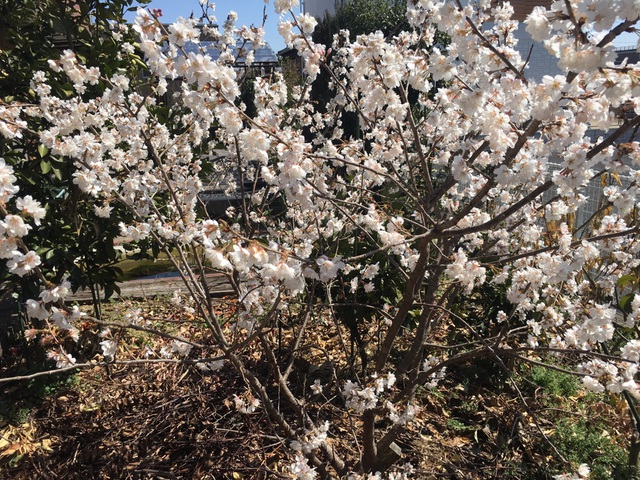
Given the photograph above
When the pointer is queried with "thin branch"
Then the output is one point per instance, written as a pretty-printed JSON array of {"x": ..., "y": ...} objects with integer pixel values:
[
  {"x": 512, "y": 258},
  {"x": 105, "y": 364},
  {"x": 542, "y": 364},
  {"x": 140, "y": 328},
  {"x": 617, "y": 30},
  {"x": 491, "y": 47}
]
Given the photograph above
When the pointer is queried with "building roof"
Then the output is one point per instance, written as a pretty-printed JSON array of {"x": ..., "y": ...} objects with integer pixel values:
[{"x": 630, "y": 54}]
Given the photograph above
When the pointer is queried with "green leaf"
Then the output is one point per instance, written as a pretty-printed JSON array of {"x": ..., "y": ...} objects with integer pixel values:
[
  {"x": 57, "y": 172},
  {"x": 138, "y": 62},
  {"x": 42, "y": 150},
  {"x": 28, "y": 179},
  {"x": 45, "y": 166},
  {"x": 625, "y": 302},
  {"x": 625, "y": 280}
]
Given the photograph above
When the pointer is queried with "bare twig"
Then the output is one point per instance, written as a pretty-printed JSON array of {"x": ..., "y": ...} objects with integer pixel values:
[{"x": 142, "y": 361}]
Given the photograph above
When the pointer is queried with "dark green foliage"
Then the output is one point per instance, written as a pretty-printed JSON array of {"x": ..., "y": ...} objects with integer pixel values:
[
  {"x": 585, "y": 442},
  {"x": 34, "y": 31},
  {"x": 248, "y": 94},
  {"x": 71, "y": 240},
  {"x": 20, "y": 24},
  {"x": 363, "y": 16}
]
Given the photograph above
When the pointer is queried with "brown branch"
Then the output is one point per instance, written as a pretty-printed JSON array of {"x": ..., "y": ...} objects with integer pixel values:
[
  {"x": 617, "y": 30},
  {"x": 491, "y": 47},
  {"x": 413, "y": 285},
  {"x": 105, "y": 364},
  {"x": 140, "y": 328}
]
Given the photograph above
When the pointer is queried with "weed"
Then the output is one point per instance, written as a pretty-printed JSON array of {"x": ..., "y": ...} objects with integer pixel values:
[
  {"x": 457, "y": 425},
  {"x": 470, "y": 407},
  {"x": 579, "y": 441},
  {"x": 554, "y": 382}
]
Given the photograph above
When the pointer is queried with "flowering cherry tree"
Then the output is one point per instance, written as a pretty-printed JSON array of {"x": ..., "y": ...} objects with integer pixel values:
[{"x": 476, "y": 185}]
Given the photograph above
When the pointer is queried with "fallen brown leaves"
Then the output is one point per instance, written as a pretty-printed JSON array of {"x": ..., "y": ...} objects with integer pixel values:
[
  {"x": 151, "y": 421},
  {"x": 174, "y": 421},
  {"x": 140, "y": 422}
]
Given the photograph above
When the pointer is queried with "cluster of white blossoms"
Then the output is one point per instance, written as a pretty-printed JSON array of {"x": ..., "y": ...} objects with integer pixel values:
[
  {"x": 600, "y": 376},
  {"x": 366, "y": 398},
  {"x": 302, "y": 470},
  {"x": 583, "y": 472},
  {"x": 22, "y": 262},
  {"x": 433, "y": 362},
  {"x": 109, "y": 348},
  {"x": 404, "y": 472},
  {"x": 13, "y": 227},
  {"x": 176, "y": 348},
  {"x": 463, "y": 171},
  {"x": 246, "y": 403},
  {"x": 312, "y": 439},
  {"x": 468, "y": 273},
  {"x": 64, "y": 319}
]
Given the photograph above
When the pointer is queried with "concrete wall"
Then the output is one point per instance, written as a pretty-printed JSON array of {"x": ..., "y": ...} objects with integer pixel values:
[
  {"x": 318, "y": 8},
  {"x": 541, "y": 63}
]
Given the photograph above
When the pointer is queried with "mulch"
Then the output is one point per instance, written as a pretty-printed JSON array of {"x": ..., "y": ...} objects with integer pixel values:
[
  {"x": 159, "y": 421},
  {"x": 168, "y": 421},
  {"x": 173, "y": 421}
]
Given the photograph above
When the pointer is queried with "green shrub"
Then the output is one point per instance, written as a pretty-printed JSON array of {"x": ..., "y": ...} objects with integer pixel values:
[
  {"x": 554, "y": 382},
  {"x": 585, "y": 442}
]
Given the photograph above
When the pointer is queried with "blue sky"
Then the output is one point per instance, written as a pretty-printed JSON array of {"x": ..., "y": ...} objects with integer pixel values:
[
  {"x": 249, "y": 12},
  {"x": 627, "y": 40}
]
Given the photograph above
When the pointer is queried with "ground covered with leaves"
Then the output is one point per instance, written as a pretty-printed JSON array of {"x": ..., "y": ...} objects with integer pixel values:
[{"x": 175, "y": 421}]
